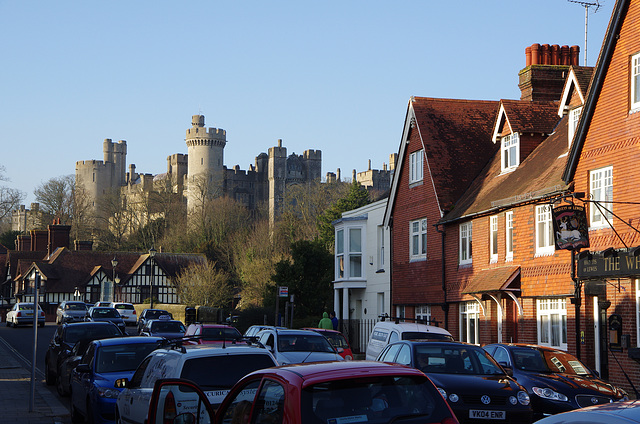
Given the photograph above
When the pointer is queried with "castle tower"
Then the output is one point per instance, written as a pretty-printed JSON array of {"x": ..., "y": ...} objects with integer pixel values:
[
  {"x": 205, "y": 162},
  {"x": 277, "y": 179}
]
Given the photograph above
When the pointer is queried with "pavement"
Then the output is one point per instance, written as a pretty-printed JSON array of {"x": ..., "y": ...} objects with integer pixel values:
[{"x": 16, "y": 391}]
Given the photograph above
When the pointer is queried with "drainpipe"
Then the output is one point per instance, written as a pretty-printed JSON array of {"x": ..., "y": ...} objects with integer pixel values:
[
  {"x": 445, "y": 305},
  {"x": 577, "y": 300}
]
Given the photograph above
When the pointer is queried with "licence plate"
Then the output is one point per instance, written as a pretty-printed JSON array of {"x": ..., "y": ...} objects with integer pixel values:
[
  {"x": 29, "y": 314},
  {"x": 486, "y": 415}
]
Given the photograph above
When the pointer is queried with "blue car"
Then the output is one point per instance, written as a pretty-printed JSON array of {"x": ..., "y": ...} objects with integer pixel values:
[{"x": 93, "y": 391}]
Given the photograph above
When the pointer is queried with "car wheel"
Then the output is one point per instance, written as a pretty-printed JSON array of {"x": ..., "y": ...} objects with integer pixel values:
[
  {"x": 76, "y": 417},
  {"x": 60, "y": 387},
  {"x": 49, "y": 375}
]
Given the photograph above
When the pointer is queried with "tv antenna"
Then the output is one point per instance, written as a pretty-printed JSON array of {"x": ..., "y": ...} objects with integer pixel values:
[{"x": 587, "y": 4}]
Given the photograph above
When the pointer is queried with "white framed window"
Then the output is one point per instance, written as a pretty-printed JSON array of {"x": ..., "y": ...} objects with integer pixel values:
[
  {"x": 380, "y": 234},
  {"x": 510, "y": 152},
  {"x": 635, "y": 81},
  {"x": 465, "y": 243},
  {"x": 355, "y": 252},
  {"x": 418, "y": 239},
  {"x": 574, "y": 119},
  {"x": 552, "y": 322},
  {"x": 423, "y": 312},
  {"x": 470, "y": 322},
  {"x": 415, "y": 167},
  {"x": 339, "y": 254},
  {"x": 545, "y": 243},
  {"x": 493, "y": 238},
  {"x": 601, "y": 184},
  {"x": 509, "y": 235},
  {"x": 380, "y": 301}
]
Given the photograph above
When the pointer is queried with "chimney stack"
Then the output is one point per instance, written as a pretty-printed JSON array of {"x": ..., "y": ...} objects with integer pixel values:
[{"x": 546, "y": 69}]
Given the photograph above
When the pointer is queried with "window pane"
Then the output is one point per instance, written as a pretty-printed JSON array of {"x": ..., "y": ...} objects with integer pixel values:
[
  {"x": 555, "y": 330},
  {"x": 423, "y": 239},
  {"x": 340, "y": 241},
  {"x": 544, "y": 329},
  {"x": 355, "y": 266},
  {"x": 472, "y": 329},
  {"x": 354, "y": 240},
  {"x": 340, "y": 266},
  {"x": 414, "y": 242}
]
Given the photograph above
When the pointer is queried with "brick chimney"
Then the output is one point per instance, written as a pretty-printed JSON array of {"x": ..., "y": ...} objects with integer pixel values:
[
  {"x": 39, "y": 240},
  {"x": 83, "y": 245},
  {"x": 58, "y": 236},
  {"x": 546, "y": 70},
  {"x": 23, "y": 243}
]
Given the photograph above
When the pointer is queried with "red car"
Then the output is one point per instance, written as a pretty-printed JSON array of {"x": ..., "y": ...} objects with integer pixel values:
[
  {"x": 314, "y": 393},
  {"x": 213, "y": 333},
  {"x": 337, "y": 340}
]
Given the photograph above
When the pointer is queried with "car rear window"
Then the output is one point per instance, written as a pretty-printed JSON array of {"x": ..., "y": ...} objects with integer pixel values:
[
  {"x": 78, "y": 332},
  {"x": 124, "y": 306},
  {"x": 125, "y": 357},
  {"x": 223, "y": 371},
  {"x": 376, "y": 399},
  {"x": 220, "y": 333}
]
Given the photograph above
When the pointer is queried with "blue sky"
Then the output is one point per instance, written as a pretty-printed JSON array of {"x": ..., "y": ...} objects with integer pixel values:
[{"x": 329, "y": 75}]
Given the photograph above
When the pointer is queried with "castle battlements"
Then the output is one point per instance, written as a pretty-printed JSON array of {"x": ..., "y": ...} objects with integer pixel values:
[
  {"x": 202, "y": 132},
  {"x": 89, "y": 163}
]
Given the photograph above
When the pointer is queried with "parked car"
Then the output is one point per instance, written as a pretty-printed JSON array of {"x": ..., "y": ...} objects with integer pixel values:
[
  {"x": 99, "y": 313},
  {"x": 253, "y": 331},
  {"x": 102, "y": 304},
  {"x": 214, "y": 368},
  {"x": 385, "y": 332},
  {"x": 67, "y": 365},
  {"x": 70, "y": 311},
  {"x": 22, "y": 314},
  {"x": 66, "y": 336},
  {"x": 212, "y": 333},
  {"x": 476, "y": 387},
  {"x": 327, "y": 393},
  {"x": 556, "y": 380},
  {"x": 297, "y": 346},
  {"x": 337, "y": 340},
  {"x": 147, "y": 314},
  {"x": 625, "y": 412},
  {"x": 93, "y": 391},
  {"x": 164, "y": 327},
  {"x": 127, "y": 311}
]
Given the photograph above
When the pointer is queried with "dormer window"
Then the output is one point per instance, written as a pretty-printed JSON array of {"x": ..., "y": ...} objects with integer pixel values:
[
  {"x": 574, "y": 118},
  {"x": 510, "y": 152}
]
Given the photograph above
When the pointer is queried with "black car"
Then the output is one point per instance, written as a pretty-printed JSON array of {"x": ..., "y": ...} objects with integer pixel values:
[
  {"x": 100, "y": 313},
  {"x": 148, "y": 314},
  {"x": 66, "y": 336},
  {"x": 556, "y": 380},
  {"x": 167, "y": 328},
  {"x": 475, "y": 386}
]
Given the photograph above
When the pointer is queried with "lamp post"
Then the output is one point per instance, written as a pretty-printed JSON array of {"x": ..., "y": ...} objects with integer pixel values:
[
  {"x": 114, "y": 264},
  {"x": 152, "y": 254}
]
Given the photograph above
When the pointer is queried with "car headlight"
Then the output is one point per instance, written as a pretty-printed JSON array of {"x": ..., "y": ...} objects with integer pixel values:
[
  {"x": 108, "y": 392},
  {"x": 523, "y": 398},
  {"x": 547, "y": 393},
  {"x": 454, "y": 397},
  {"x": 443, "y": 392}
]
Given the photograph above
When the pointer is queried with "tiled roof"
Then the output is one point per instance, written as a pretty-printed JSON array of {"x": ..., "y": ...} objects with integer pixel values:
[
  {"x": 531, "y": 117},
  {"x": 583, "y": 75},
  {"x": 14, "y": 257},
  {"x": 455, "y": 132},
  {"x": 492, "y": 280},
  {"x": 537, "y": 176}
]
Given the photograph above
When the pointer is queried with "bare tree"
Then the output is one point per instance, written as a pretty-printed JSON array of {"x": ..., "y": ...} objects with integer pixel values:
[
  {"x": 10, "y": 198},
  {"x": 204, "y": 284},
  {"x": 56, "y": 197}
]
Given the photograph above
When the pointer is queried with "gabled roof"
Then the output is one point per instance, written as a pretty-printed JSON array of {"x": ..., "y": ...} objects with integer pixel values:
[
  {"x": 604, "y": 59},
  {"x": 578, "y": 80},
  {"x": 452, "y": 132},
  {"x": 523, "y": 116},
  {"x": 538, "y": 176}
]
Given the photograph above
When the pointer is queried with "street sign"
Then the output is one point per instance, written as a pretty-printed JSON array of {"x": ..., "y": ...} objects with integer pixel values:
[{"x": 283, "y": 291}]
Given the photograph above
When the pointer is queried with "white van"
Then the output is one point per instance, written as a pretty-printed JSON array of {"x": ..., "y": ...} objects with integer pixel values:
[{"x": 385, "y": 332}]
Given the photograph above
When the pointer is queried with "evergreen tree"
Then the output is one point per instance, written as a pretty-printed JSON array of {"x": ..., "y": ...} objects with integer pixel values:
[{"x": 357, "y": 196}]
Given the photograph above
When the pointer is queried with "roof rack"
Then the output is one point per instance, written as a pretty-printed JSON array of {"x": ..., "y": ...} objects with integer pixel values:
[{"x": 397, "y": 320}]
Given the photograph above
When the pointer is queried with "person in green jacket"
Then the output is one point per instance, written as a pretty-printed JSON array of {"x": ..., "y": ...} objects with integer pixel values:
[{"x": 325, "y": 322}]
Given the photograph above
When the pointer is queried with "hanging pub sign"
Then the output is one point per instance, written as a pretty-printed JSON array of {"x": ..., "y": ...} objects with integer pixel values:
[{"x": 570, "y": 227}]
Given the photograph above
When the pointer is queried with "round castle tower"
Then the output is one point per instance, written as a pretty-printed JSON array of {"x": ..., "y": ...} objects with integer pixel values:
[{"x": 205, "y": 156}]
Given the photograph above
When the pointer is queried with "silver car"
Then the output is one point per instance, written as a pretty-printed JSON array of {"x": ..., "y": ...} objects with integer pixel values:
[{"x": 70, "y": 311}]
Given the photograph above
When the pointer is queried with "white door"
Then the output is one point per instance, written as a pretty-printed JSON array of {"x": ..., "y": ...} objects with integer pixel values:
[{"x": 596, "y": 332}]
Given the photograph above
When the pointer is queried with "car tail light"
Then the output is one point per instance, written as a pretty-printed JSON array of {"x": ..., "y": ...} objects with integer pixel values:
[
  {"x": 170, "y": 410},
  {"x": 450, "y": 420},
  {"x": 41, "y": 313},
  {"x": 19, "y": 314},
  {"x": 134, "y": 312}
]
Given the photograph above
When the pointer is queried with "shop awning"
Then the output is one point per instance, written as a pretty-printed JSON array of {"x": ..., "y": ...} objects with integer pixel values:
[{"x": 493, "y": 280}]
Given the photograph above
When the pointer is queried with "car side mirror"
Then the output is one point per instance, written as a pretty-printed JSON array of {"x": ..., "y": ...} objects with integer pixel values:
[
  {"x": 84, "y": 368},
  {"x": 507, "y": 368},
  {"x": 121, "y": 383}
]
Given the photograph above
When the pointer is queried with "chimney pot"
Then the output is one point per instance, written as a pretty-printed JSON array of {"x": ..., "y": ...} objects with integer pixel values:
[
  {"x": 535, "y": 54},
  {"x": 575, "y": 55},
  {"x": 527, "y": 54}
]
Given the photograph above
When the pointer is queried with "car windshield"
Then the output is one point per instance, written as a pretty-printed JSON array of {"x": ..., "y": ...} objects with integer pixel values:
[
  {"x": 419, "y": 335},
  {"x": 76, "y": 307},
  {"x": 80, "y": 331},
  {"x": 125, "y": 357},
  {"x": 105, "y": 313},
  {"x": 529, "y": 359},
  {"x": 220, "y": 333},
  {"x": 167, "y": 327},
  {"x": 337, "y": 340},
  {"x": 377, "y": 399},
  {"x": 223, "y": 371},
  {"x": 303, "y": 343},
  {"x": 455, "y": 360}
]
